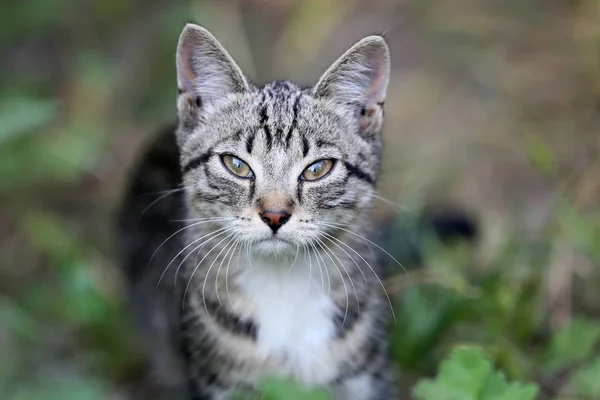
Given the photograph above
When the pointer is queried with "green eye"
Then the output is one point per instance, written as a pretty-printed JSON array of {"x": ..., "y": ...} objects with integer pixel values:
[
  {"x": 237, "y": 166},
  {"x": 317, "y": 170}
]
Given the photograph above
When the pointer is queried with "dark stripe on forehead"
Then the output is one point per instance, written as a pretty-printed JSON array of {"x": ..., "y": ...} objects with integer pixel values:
[
  {"x": 305, "y": 146},
  {"x": 355, "y": 171},
  {"x": 264, "y": 121},
  {"x": 268, "y": 137},
  {"x": 294, "y": 123},
  {"x": 250, "y": 142},
  {"x": 262, "y": 114},
  {"x": 279, "y": 135},
  {"x": 321, "y": 143},
  {"x": 197, "y": 161}
]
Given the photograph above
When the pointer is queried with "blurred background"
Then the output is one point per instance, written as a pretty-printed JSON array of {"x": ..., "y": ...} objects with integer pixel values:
[{"x": 493, "y": 108}]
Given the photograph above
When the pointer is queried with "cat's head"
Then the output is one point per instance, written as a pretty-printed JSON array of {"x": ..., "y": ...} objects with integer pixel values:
[{"x": 282, "y": 165}]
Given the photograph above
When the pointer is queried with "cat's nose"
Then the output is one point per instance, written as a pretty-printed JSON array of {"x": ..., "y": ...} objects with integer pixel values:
[{"x": 275, "y": 218}]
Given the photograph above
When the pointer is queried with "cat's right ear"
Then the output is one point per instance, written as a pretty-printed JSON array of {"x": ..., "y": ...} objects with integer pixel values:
[
  {"x": 360, "y": 78},
  {"x": 205, "y": 72}
]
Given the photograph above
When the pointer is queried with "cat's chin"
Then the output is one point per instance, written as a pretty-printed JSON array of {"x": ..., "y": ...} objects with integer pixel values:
[{"x": 274, "y": 247}]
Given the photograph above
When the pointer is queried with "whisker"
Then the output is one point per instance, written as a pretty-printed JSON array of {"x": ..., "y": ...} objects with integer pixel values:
[
  {"x": 307, "y": 254},
  {"x": 248, "y": 256},
  {"x": 308, "y": 281},
  {"x": 331, "y": 225},
  {"x": 396, "y": 206},
  {"x": 203, "y": 219},
  {"x": 235, "y": 244},
  {"x": 295, "y": 257},
  {"x": 206, "y": 276},
  {"x": 224, "y": 230},
  {"x": 326, "y": 273},
  {"x": 198, "y": 253},
  {"x": 180, "y": 230},
  {"x": 220, "y": 265},
  {"x": 160, "y": 192},
  {"x": 166, "y": 193},
  {"x": 343, "y": 267},
  {"x": 182, "y": 250},
  {"x": 238, "y": 259},
  {"x": 343, "y": 283},
  {"x": 372, "y": 270},
  {"x": 322, "y": 267},
  {"x": 401, "y": 218},
  {"x": 348, "y": 254}
]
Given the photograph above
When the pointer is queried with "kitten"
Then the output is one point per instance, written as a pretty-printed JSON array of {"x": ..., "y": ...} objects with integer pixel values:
[{"x": 258, "y": 265}]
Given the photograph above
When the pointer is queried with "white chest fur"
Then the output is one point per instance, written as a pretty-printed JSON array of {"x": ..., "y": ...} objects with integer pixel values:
[{"x": 294, "y": 315}]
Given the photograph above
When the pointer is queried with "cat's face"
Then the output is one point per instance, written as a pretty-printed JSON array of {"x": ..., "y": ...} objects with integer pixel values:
[{"x": 279, "y": 167}]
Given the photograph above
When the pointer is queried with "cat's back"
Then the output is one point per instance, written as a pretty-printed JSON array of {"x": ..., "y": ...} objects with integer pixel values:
[
  {"x": 150, "y": 212},
  {"x": 151, "y": 202}
]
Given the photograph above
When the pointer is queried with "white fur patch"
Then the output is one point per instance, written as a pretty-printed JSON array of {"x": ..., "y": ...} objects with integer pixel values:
[{"x": 294, "y": 315}]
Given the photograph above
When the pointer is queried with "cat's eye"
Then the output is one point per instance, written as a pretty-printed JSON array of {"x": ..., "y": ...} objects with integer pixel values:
[
  {"x": 317, "y": 170},
  {"x": 237, "y": 166}
]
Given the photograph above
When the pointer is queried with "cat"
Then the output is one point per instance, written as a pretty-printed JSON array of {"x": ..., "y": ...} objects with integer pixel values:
[{"x": 255, "y": 262}]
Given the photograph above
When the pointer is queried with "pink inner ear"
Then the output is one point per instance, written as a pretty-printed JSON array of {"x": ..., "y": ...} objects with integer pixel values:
[
  {"x": 376, "y": 90},
  {"x": 185, "y": 70}
]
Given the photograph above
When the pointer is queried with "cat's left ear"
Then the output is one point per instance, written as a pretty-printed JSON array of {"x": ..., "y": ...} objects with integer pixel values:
[
  {"x": 206, "y": 73},
  {"x": 360, "y": 78}
]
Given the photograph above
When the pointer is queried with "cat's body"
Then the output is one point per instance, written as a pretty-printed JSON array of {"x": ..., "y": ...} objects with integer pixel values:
[{"x": 266, "y": 268}]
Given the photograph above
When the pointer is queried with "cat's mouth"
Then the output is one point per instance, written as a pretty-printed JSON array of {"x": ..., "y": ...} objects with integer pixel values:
[
  {"x": 276, "y": 238},
  {"x": 274, "y": 244}
]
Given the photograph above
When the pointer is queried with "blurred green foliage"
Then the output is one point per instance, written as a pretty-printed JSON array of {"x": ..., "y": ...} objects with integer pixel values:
[
  {"x": 468, "y": 375},
  {"x": 87, "y": 81},
  {"x": 275, "y": 389}
]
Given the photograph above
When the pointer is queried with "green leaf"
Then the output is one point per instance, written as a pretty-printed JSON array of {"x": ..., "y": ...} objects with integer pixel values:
[
  {"x": 462, "y": 376},
  {"x": 424, "y": 313},
  {"x": 586, "y": 382},
  {"x": 22, "y": 115},
  {"x": 572, "y": 343},
  {"x": 517, "y": 391},
  {"x": 278, "y": 389},
  {"x": 467, "y": 374}
]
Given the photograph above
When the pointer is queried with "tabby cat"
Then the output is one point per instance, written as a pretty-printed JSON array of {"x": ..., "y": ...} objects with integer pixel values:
[{"x": 258, "y": 265}]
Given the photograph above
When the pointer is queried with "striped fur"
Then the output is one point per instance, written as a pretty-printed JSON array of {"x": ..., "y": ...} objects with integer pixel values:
[{"x": 304, "y": 303}]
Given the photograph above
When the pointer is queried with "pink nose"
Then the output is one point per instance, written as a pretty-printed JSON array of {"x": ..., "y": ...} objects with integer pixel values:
[{"x": 275, "y": 218}]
